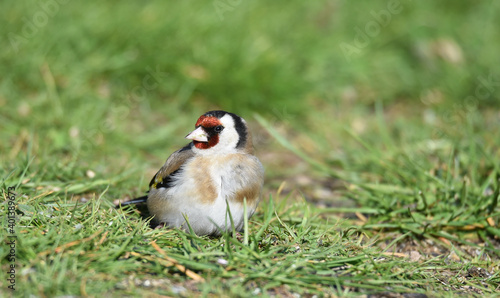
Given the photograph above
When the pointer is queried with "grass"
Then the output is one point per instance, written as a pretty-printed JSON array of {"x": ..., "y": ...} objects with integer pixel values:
[{"x": 382, "y": 165}]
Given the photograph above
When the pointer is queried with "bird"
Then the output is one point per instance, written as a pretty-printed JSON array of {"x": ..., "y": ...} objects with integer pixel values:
[{"x": 203, "y": 185}]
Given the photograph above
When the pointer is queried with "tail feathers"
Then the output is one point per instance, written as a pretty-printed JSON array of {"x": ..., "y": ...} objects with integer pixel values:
[{"x": 138, "y": 200}]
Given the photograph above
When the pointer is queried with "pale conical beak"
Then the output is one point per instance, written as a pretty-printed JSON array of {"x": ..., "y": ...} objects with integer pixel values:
[{"x": 198, "y": 135}]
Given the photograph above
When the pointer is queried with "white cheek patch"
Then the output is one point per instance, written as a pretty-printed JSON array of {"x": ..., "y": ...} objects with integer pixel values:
[
  {"x": 228, "y": 139},
  {"x": 229, "y": 136}
]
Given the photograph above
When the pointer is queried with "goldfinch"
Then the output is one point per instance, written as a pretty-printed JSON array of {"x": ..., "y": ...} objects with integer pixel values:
[{"x": 217, "y": 171}]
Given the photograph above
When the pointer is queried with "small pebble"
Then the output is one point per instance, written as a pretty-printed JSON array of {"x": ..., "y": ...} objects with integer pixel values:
[
  {"x": 90, "y": 174},
  {"x": 222, "y": 262}
]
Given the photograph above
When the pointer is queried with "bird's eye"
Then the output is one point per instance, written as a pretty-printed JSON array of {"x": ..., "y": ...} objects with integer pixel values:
[{"x": 219, "y": 128}]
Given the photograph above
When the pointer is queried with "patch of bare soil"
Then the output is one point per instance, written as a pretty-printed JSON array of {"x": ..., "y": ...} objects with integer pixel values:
[{"x": 461, "y": 273}]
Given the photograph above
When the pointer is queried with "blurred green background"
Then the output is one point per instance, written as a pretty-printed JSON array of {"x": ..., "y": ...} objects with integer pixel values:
[
  {"x": 108, "y": 85},
  {"x": 105, "y": 78}
]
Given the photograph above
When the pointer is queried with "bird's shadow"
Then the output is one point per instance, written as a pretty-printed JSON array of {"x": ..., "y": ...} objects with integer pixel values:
[{"x": 143, "y": 211}]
